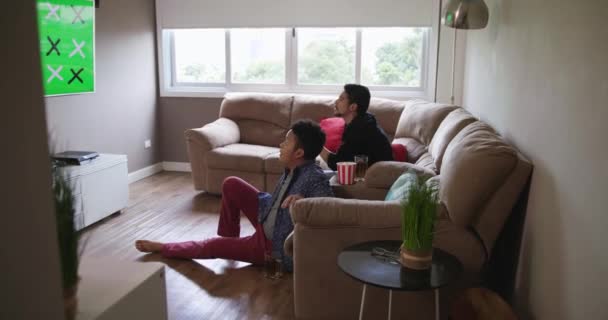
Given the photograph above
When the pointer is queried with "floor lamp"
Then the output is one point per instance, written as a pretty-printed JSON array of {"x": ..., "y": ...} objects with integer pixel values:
[{"x": 463, "y": 14}]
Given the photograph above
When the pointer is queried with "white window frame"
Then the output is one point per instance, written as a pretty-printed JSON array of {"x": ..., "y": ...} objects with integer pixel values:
[{"x": 170, "y": 88}]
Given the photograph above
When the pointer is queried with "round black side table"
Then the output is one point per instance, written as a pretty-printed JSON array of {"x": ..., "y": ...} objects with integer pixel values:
[{"x": 382, "y": 271}]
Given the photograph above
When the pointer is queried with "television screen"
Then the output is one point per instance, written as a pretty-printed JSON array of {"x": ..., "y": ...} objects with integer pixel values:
[{"x": 67, "y": 45}]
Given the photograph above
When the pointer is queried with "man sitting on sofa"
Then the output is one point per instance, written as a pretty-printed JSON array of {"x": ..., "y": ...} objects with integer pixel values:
[
  {"x": 269, "y": 214},
  {"x": 362, "y": 135}
]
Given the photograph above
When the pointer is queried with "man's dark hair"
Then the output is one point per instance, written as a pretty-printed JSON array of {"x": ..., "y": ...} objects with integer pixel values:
[
  {"x": 310, "y": 137},
  {"x": 358, "y": 94}
]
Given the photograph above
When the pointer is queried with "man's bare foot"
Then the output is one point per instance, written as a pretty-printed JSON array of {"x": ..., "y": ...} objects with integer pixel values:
[{"x": 148, "y": 246}]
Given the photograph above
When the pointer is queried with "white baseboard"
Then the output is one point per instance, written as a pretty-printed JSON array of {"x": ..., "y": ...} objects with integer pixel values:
[
  {"x": 158, "y": 167},
  {"x": 177, "y": 166},
  {"x": 145, "y": 172}
]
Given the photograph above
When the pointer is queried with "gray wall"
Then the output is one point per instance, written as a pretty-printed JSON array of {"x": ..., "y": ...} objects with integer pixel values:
[
  {"x": 179, "y": 114},
  {"x": 122, "y": 113},
  {"x": 30, "y": 284},
  {"x": 538, "y": 74}
]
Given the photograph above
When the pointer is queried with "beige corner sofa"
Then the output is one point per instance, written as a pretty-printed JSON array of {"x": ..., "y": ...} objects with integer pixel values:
[
  {"x": 480, "y": 176},
  {"x": 244, "y": 140}
]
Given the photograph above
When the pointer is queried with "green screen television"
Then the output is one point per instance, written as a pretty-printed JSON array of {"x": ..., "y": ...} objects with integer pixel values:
[{"x": 67, "y": 45}]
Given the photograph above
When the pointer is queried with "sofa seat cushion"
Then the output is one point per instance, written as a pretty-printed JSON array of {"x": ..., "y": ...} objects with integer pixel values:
[
  {"x": 383, "y": 174},
  {"x": 240, "y": 156},
  {"x": 427, "y": 161},
  {"x": 273, "y": 165}
]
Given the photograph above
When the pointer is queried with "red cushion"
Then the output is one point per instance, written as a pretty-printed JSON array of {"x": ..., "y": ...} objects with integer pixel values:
[
  {"x": 333, "y": 128},
  {"x": 399, "y": 152}
]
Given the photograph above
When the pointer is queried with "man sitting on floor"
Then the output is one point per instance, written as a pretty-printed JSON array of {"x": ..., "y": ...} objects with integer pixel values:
[{"x": 269, "y": 214}]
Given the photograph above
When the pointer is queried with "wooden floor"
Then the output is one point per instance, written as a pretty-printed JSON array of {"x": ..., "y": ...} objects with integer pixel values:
[{"x": 165, "y": 207}]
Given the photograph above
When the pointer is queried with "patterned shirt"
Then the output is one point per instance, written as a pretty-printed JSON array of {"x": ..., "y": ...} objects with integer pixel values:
[
  {"x": 272, "y": 216},
  {"x": 309, "y": 181}
]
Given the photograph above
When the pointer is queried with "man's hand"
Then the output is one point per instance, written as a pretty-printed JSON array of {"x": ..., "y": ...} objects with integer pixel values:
[{"x": 290, "y": 200}]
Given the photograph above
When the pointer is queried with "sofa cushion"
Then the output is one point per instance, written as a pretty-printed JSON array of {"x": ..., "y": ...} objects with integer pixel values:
[
  {"x": 239, "y": 156},
  {"x": 272, "y": 108},
  {"x": 387, "y": 112},
  {"x": 382, "y": 175},
  {"x": 420, "y": 119},
  {"x": 401, "y": 187},
  {"x": 399, "y": 152},
  {"x": 311, "y": 107},
  {"x": 414, "y": 148},
  {"x": 261, "y": 133},
  {"x": 333, "y": 129},
  {"x": 427, "y": 161},
  {"x": 262, "y": 118},
  {"x": 272, "y": 164},
  {"x": 475, "y": 164},
  {"x": 449, "y": 127}
]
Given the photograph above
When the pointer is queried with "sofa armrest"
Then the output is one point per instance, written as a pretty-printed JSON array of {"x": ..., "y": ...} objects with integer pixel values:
[
  {"x": 323, "y": 228},
  {"x": 336, "y": 212},
  {"x": 382, "y": 175},
  {"x": 218, "y": 133}
]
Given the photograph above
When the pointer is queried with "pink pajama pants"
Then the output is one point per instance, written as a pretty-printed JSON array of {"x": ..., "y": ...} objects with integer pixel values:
[{"x": 237, "y": 196}]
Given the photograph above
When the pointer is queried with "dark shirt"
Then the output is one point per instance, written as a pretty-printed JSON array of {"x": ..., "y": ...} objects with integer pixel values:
[
  {"x": 309, "y": 181},
  {"x": 362, "y": 136}
]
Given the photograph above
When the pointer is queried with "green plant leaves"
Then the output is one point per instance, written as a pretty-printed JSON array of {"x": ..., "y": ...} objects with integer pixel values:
[
  {"x": 418, "y": 214},
  {"x": 66, "y": 233}
]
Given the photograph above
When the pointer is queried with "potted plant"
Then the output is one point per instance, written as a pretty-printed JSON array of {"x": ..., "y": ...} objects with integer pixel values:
[
  {"x": 63, "y": 196},
  {"x": 418, "y": 214}
]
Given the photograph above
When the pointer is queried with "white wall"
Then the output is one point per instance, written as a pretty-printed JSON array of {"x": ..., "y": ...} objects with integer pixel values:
[
  {"x": 539, "y": 74},
  {"x": 30, "y": 286}
]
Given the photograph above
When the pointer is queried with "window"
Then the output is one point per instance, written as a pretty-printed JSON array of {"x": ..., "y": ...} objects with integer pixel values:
[
  {"x": 258, "y": 55},
  {"x": 326, "y": 56},
  {"x": 392, "y": 58},
  {"x": 199, "y": 56},
  {"x": 311, "y": 60}
]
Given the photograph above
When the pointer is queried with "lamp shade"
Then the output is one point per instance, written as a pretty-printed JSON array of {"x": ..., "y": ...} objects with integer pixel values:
[{"x": 465, "y": 14}]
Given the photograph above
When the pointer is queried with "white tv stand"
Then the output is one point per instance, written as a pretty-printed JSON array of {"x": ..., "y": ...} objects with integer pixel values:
[{"x": 100, "y": 188}]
